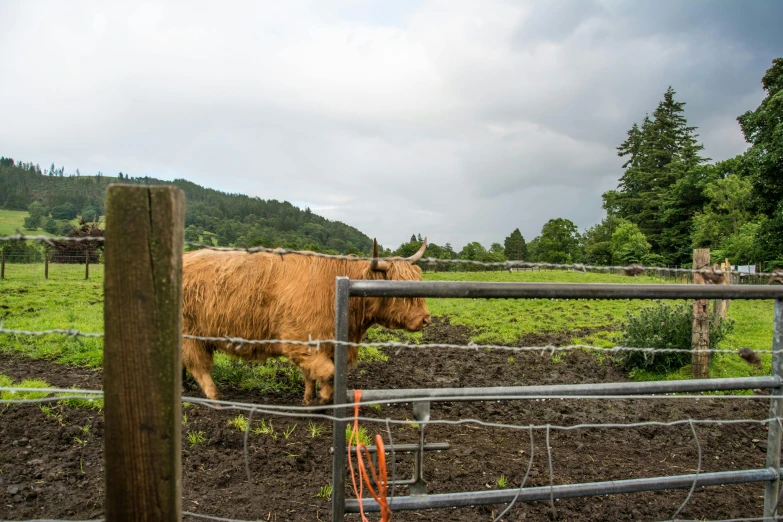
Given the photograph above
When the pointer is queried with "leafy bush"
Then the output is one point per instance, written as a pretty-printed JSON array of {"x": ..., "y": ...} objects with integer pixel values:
[
  {"x": 22, "y": 252},
  {"x": 90, "y": 214},
  {"x": 665, "y": 326},
  {"x": 66, "y": 211},
  {"x": 32, "y": 222}
]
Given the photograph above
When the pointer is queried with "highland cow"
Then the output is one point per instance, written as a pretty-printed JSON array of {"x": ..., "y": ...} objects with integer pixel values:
[{"x": 291, "y": 297}]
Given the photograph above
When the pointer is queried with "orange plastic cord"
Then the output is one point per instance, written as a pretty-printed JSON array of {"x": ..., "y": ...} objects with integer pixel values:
[{"x": 380, "y": 495}]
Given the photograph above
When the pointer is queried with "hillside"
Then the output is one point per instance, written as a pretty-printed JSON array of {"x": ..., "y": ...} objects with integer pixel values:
[{"x": 229, "y": 219}]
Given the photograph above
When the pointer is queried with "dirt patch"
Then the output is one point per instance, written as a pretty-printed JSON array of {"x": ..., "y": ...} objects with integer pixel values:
[
  {"x": 551, "y": 338},
  {"x": 45, "y": 472}
]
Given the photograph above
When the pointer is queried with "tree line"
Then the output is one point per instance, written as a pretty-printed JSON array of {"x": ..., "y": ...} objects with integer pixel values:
[{"x": 54, "y": 199}]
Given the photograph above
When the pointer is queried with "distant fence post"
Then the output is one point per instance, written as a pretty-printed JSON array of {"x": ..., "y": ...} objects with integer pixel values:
[
  {"x": 700, "y": 339},
  {"x": 46, "y": 263},
  {"x": 721, "y": 306},
  {"x": 2, "y": 264},
  {"x": 142, "y": 353},
  {"x": 87, "y": 263}
]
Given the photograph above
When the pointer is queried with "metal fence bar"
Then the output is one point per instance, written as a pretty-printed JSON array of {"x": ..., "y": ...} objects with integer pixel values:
[
  {"x": 460, "y": 289},
  {"x": 597, "y": 389},
  {"x": 587, "y": 489},
  {"x": 775, "y": 405},
  {"x": 341, "y": 318}
]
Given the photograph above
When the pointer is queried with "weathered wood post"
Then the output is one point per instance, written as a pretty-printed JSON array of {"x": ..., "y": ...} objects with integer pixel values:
[
  {"x": 721, "y": 306},
  {"x": 87, "y": 263},
  {"x": 46, "y": 263},
  {"x": 2, "y": 263},
  {"x": 700, "y": 339},
  {"x": 142, "y": 353}
]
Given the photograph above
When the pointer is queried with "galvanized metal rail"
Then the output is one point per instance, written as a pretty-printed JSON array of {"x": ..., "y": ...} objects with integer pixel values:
[{"x": 421, "y": 398}]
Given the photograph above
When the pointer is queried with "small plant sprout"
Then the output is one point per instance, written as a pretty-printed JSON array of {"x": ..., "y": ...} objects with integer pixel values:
[
  {"x": 184, "y": 418},
  {"x": 363, "y": 436},
  {"x": 376, "y": 407},
  {"x": 47, "y": 410},
  {"x": 265, "y": 429},
  {"x": 511, "y": 360},
  {"x": 314, "y": 429},
  {"x": 502, "y": 482},
  {"x": 287, "y": 433},
  {"x": 239, "y": 422},
  {"x": 196, "y": 437},
  {"x": 78, "y": 440},
  {"x": 324, "y": 492},
  {"x": 86, "y": 429},
  {"x": 413, "y": 425}
]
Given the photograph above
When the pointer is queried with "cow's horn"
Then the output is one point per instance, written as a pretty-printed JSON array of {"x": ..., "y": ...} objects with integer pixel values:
[
  {"x": 415, "y": 257},
  {"x": 376, "y": 264}
]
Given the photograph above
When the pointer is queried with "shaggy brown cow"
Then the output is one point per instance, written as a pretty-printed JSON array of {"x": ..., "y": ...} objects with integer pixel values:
[{"x": 291, "y": 297}]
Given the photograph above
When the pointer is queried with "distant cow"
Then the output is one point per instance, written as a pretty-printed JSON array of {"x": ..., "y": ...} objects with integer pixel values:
[{"x": 291, "y": 297}]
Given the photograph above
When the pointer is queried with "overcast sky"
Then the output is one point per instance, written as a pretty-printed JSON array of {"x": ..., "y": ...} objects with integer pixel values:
[{"x": 459, "y": 120}]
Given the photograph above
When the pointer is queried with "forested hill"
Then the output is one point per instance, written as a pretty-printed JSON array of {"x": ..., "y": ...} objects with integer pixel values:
[{"x": 53, "y": 197}]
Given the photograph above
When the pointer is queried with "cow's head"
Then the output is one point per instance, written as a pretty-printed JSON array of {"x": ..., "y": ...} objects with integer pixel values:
[{"x": 396, "y": 312}]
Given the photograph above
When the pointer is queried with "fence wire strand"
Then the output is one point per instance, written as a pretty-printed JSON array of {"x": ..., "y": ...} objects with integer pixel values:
[
  {"x": 524, "y": 479},
  {"x": 238, "y": 342},
  {"x": 695, "y": 476},
  {"x": 630, "y": 270}
]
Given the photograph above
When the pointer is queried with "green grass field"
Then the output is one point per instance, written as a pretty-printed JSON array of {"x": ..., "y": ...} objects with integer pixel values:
[
  {"x": 65, "y": 300},
  {"x": 13, "y": 220}
]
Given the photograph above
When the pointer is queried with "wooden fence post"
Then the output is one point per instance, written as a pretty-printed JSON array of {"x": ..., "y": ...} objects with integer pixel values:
[
  {"x": 700, "y": 338},
  {"x": 2, "y": 264},
  {"x": 142, "y": 353},
  {"x": 87, "y": 263},
  {"x": 46, "y": 263}
]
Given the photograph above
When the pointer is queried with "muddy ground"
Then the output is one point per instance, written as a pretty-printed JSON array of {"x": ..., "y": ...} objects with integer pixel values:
[{"x": 50, "y": 467}]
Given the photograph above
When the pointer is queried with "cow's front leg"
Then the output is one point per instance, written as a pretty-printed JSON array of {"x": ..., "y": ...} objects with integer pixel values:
[
  {"x": 309, "y": 392},
  {"x": 327, "y": 391}
]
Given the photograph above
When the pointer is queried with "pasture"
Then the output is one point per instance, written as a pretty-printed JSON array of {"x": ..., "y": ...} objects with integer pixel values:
[{"x": 52, "y": 462}]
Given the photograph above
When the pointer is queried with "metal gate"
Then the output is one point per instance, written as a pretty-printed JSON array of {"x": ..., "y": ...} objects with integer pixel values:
[{"x": 422, "y": 398}]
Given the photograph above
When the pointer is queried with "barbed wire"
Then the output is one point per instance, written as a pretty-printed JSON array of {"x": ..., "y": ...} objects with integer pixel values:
[
  {"x": 282, "y": 410},
  {"x": 223, "y": 519},
  {"x": 630, "y": 270},
  {"x": 238, "y": 342},
  {"x": 50, "y": 240}
]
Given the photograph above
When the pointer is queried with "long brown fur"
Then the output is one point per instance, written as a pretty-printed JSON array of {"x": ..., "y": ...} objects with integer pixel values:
[{"x": 268, "y": 296}]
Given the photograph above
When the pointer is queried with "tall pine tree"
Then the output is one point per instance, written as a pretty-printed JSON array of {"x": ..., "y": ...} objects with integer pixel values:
[{"x": 660, "y": 152}]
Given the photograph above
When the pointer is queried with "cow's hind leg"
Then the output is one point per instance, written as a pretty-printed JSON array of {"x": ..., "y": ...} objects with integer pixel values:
[{"x": 197, "y": 358}]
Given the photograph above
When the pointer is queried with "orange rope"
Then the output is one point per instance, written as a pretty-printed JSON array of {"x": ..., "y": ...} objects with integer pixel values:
[{"x": 380, "y": 495}]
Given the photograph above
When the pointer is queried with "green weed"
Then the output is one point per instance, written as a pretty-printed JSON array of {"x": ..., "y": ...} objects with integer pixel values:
[
  {"x": 502, "y": 482},
  {"x": 196, "y": 437},
  {"x": 265, "y": 429},
  {"x": 315, "y": 430},
  {"x": 239, "y": 422},
  {"x": 288, "y": 431},
  {"x": 362, "y": 435},
  {"x": 325, "y": 492}
]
